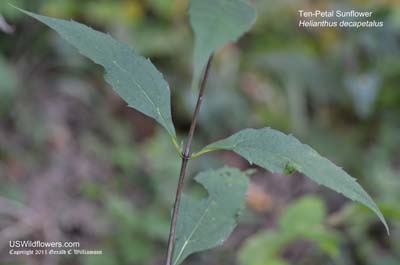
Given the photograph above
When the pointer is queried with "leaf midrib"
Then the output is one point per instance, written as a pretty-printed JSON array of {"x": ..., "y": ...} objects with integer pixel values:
[
  {"x": 193, "y": 232},
  {"x": 157, "y": 108}
]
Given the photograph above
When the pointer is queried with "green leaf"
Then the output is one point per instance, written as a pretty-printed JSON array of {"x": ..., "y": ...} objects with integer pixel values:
[
  {"x": 262, "y": 248},
  {"x": 303, "y": 219},
  {"x": 8, "y": 79},
  {"x": 8, "y": 85},
  {"x": 207, "y": 223},
  {"x": 132, "y": 76},
  {"x": 215, "y": 23},
  {"x": 274, "y": 151},
  {"x": 307, "y": 212}
]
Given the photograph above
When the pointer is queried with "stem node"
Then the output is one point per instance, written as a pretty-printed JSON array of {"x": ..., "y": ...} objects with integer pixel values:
[{"x": 185, "y": 159}]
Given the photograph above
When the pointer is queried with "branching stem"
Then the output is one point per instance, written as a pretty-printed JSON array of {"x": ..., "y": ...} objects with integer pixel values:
[{"x": 185, "y": 160}]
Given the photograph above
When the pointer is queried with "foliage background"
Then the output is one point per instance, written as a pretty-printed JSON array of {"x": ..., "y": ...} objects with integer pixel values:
[{"x": 77, "y": 165}]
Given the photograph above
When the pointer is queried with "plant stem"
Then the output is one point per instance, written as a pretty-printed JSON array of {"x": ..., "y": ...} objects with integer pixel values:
[{"x": 185, "y": 160}]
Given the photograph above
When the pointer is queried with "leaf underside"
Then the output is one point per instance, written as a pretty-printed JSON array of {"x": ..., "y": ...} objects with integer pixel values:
[
  {"x": 216, "y": 23},
  {"x": 133, "y": 77},
  {"x": 207, "y": 223},
  {"x": 281, "y": 153}
]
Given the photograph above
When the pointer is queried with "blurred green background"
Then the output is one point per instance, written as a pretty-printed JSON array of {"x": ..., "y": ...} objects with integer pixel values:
[{"x": 77, "y": 165}]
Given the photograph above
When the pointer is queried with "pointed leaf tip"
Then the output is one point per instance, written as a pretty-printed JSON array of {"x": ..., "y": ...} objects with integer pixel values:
[
  {"x": 281, "y": 153},
  {"x": 133, "y": 77}
]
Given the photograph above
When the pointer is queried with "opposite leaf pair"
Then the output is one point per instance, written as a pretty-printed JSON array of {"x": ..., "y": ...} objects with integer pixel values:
[{"x": 205, "y": 224}]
